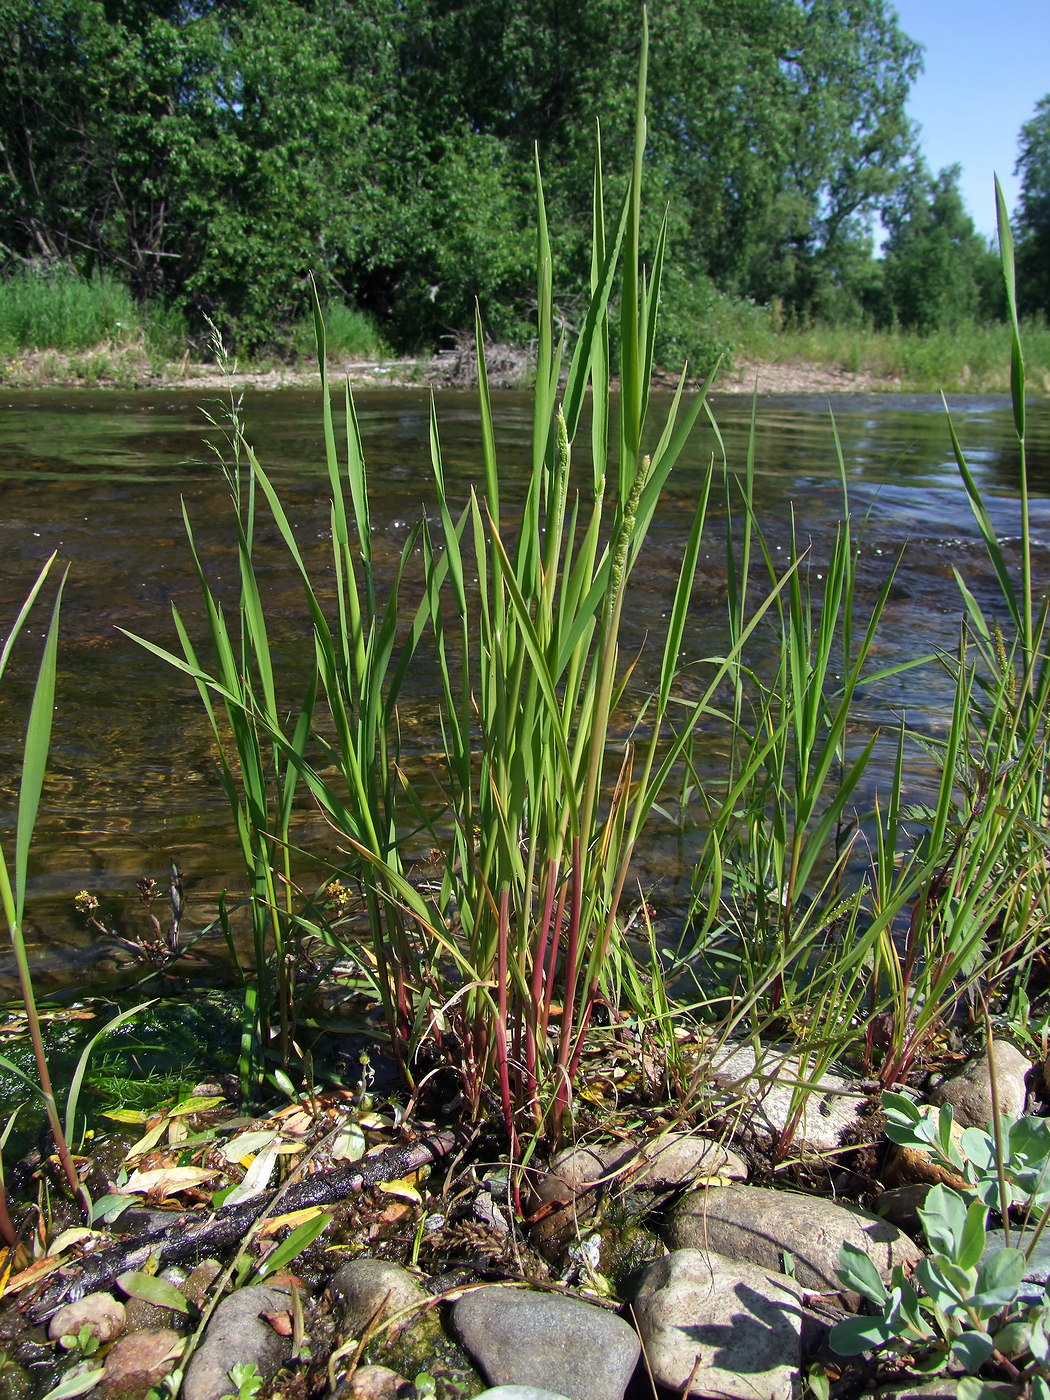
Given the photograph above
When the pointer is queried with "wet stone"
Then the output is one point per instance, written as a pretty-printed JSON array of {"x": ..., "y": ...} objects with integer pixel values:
[
  {"x": 367, "y": 1288},
  {"x": 377, "y": 1383},
  {"x": 141, "y": 1357},
  {"x": 102, "y": 1314}
]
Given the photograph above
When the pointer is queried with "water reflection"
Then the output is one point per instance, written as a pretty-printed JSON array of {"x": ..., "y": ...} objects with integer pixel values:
[{"x": 102, "y": 477}]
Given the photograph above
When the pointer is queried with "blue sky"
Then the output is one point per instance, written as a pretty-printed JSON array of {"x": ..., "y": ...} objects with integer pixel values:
[{"x": 987, "y": 63}]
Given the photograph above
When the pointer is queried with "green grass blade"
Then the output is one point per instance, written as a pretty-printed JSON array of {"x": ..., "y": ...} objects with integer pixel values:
[{"x": 37, "y": 746}]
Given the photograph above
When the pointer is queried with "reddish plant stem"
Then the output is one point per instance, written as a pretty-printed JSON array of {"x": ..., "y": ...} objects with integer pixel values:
[{"x": 502, "y": 1063}]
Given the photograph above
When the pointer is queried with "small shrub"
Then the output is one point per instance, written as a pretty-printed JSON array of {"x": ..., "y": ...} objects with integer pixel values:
[
  {"x": 58, "y": 310},
  {"x": 352, "y": 334}
]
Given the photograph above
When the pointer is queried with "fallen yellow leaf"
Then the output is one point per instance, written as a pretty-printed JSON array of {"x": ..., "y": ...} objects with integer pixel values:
[{"x": 293, "y": 1218}]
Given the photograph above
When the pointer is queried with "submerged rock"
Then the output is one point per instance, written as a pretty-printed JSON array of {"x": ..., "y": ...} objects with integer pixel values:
[
  {"x": 138, "y": 1361},
  {"x": 721, "y": 1327},
  {"x": 764, "y": 1226},
  {"x": 566, "y": 1346}
]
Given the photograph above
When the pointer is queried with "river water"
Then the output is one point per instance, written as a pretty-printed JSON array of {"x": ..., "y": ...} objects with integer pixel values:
[{"x": 100, "y": 476}]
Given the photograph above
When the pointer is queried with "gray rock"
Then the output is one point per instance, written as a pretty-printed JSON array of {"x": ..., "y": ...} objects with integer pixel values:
[
  {"x": 672, "y": 1159},
  {"x": 719, "y": 1327},
  {"x": 101, "y": 1313},
  {"x": 577, "y": 1178},
  {"x": 376, "y": 1383},
  {"x": 238, "y": 1332},
  {"x": 762, "y": 1225},
  {"x": 970, "y": 1094},
  {"x": 546, "y": 1340},
  {"x": 518, "y": 1392},
  {"x": 762, "y": 1095},
  {"x": 367, "y": 1288},
  {"x": 1038, "y": 1270}
]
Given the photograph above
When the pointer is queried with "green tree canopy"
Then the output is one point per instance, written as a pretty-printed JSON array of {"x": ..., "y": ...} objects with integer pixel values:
[
  {"x": 1033, "y": 214},
  {"x": 938, "y": 272},
  {"x": 215, "y": 153}
]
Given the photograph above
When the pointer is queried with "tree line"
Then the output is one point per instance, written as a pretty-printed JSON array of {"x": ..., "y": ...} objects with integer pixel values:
[{"x": 214, "y": 154}]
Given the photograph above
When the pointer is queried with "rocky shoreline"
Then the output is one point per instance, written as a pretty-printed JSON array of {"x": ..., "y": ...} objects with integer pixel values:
[
  {"x": 508, "y": 369},
  {"x": 678, "y": 1261}
]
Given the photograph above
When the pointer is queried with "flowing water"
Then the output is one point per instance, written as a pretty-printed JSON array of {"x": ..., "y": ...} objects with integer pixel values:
[{"x": 100, "y": 476}]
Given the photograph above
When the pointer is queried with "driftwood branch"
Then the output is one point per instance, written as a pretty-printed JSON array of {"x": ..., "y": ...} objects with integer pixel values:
[{"x": 190, "y": 1237}]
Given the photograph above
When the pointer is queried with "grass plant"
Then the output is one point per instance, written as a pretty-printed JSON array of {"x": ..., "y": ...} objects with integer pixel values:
[
  {"x": 14, "y": 877},
  {"x": 258, "y": 769},
  {"x": 971, "y": 358},
  {"x": 500, "y": 961},
  {"x": 830, "y": 907},
  {"x": 851, "y": 925}
]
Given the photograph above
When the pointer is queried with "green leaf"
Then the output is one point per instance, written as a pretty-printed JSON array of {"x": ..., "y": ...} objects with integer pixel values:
[
  {"x": 857, "y": 1271},
  {"x": 297, "y": 1241},
  {"x": 856, "y": 1334},
  {"x": 943, "y": 1215},
  {"x": 974, "y": 1236},
  {"x": 108, "y": 1208},
  {"x": 1000, "y": 1279},
  {"x": 150, "y": 1288},
  {"x": 905, "y": 1120},
  {"x": 946, "y": 1285},
  {"x": 79, "y": 1384},
  {"x": 972, "y": 1349}
]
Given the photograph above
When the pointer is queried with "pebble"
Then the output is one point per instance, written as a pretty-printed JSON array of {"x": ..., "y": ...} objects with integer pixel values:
[
  {"x": 717, "y": 1326},
  {"x": 518, "y": 1392},
  {"x": 552, "y": 1342},
  {"x": 144, "y": 1357},
  {"x": 102, "y": 1313},
  {"x": 377, "y": 1383},
  {"x": 763, "y": 1226},
  {"x": 970, "y": 1093},
  {"x": 369, "y": 1288},
  {"x": 238, "y": 1332}
]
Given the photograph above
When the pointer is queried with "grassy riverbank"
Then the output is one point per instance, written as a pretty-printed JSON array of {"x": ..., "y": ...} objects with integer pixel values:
[{"x": 68, "y": 331}]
